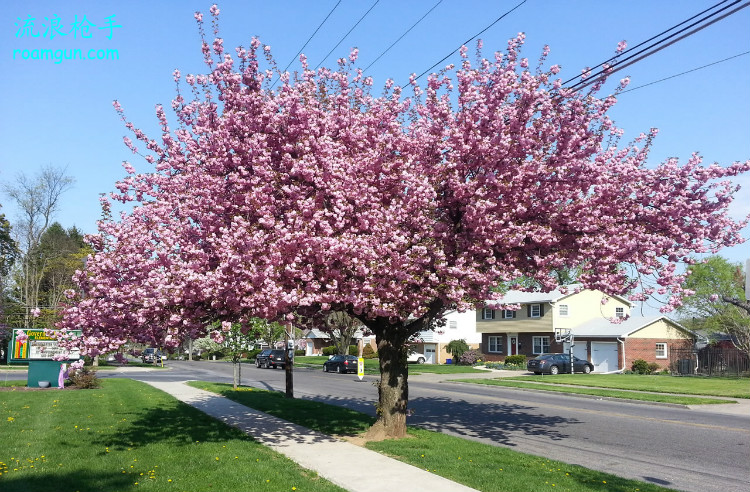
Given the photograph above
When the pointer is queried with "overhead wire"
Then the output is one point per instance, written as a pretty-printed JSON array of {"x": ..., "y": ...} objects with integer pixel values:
[
  {"x": 659, "y": 45},
  {"x": 347, "y": 34},
  {"x": 402, "y": 36},
  {"x": 652, "y": 38},
  {"x": 686, "y": 72},
  {"x": 470, "y": 39},
  {"x": 311, "y": 36}
]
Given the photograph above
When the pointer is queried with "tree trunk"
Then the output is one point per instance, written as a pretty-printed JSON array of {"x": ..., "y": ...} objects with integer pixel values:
[{"x": 393, "y": 391}]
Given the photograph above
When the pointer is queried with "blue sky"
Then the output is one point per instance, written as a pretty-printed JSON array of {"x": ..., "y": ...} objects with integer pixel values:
[{"x": 61, "y": 113}]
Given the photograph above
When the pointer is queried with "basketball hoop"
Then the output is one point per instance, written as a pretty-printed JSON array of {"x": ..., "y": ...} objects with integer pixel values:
[{"x": 562, "y": 335}]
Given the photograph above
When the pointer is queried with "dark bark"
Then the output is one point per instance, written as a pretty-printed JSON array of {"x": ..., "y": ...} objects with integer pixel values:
[{"x": 393, "y": 388}]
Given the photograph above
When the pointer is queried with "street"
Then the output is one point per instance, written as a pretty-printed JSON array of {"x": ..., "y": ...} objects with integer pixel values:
[{"x": 687, "y": 449}]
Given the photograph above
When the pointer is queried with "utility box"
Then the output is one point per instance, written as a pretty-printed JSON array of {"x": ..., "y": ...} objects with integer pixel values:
[{"x": 43, "y": 370}]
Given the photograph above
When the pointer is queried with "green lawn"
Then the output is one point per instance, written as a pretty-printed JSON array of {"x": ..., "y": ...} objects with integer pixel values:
[
  {"x": 728, "y": 387},
  {"x": 481, "y": 466},
  {"x": 128, "y": 436},
  {"x": 605, "y": 393}
]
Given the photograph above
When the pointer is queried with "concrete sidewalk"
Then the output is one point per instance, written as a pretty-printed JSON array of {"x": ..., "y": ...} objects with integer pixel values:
[{"x": 329, "y": 457}]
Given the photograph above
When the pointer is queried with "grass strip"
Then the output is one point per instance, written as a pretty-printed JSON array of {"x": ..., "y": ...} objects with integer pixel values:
[
  {"x": 490, "y": 468},
  {"x": 128, "y": 436},
  {"x": 481, "y": 466},
  {"x": 605, "y": 393},
  {"x": 328, "y": 419},
  {"x": 728, "y": 387}
]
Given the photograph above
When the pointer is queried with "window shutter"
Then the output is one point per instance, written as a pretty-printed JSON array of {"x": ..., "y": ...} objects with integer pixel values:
[
  {"x": 541, "y": 310},
  {"x": 493, "y": 314},
  {"x": 528, "y": 310},
  {"x": 513, "y": 313}
]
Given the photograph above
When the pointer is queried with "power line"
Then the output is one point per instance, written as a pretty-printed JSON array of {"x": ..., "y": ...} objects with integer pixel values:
[
  {"x": 650, "y": 39},
  {"x": 347, "y": 34},
  {"x": 402, "y": 36},
  {"x": 645, "y": 53},
  {"x": 686, "y": 72},
  {"x": 311, "y": 36},
  {"x": 471, "y": 38}
]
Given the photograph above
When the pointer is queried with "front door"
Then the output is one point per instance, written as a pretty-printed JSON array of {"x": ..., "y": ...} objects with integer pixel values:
[{"x": 512, "y": 344}]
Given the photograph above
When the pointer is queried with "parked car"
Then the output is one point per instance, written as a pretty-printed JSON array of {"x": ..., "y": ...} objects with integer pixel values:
[
  {"x": 341, "y": 363},
  {"x": 271, "y": 358},
  {"x": 150, "y": 354},
  {"x": 558, "y": 364},
  {"x": 416, "y": 357}
]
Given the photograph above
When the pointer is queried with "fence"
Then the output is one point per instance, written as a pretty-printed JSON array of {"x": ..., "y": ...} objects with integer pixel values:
[{"x": 710, "y": 361}]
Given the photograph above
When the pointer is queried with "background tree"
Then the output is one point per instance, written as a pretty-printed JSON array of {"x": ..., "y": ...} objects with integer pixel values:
[
  {"x": 717, "y": 282},
  {"x": 340, "y": 326},
  {"x": 37, "y": 200},
  {"x": 390, "y": 208},
  {"x": 234, "y": 344},
  {"x": 457, "y": 348}
]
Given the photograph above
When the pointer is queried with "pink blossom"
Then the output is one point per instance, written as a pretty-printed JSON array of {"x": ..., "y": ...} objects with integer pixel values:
[
  {"x": 36, "y": 312},
  {"x": 21, "y": 336}
]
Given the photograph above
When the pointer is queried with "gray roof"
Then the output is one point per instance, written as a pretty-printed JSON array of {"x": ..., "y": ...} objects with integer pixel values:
[
  {"x": 523, "y": 297},
  {"x": 604, "y": 328}
]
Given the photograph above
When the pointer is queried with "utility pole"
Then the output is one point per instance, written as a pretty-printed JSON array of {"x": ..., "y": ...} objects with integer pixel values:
[{"x": 288, "y": 362}]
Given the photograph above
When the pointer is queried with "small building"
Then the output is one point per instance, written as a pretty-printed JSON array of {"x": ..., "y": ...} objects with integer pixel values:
[{"x": 458, "y": 326}]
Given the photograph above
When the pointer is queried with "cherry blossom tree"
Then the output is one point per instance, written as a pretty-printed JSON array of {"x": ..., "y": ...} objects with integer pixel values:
[{"x": 320, "y": 196}]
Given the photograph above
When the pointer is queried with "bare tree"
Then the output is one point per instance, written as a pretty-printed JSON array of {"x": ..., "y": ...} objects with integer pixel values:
[{"x": 37, "y": 199}]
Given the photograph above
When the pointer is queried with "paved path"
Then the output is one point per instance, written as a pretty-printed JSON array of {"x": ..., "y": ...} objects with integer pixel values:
[{"x": 330, "y": 457}]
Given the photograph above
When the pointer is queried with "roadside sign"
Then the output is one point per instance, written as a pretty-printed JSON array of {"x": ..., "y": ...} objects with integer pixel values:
[
  {"x": 38, "y": 346},
  {"x": 361, "y": 368}
]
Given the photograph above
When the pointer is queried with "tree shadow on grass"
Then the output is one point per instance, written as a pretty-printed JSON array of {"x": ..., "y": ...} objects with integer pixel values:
[
  {"x": 65, "y": 482},
  {"x": 170, "y": 422}
]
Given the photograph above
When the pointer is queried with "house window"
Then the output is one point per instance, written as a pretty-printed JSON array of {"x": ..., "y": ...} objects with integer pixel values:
[
  {"x": 453, "y": 325},
  {"x": 564, "y": 310},
  {"x": 508, "y": 314},
  {"x": 661, "y": 350},
  {"x": 541, "y": 345},
  {"x": 494, "y": 344},
  {"x": 488, "y": 313},
  {"x": 619, "y": 312},
  {"x": 535, "y": 310}
]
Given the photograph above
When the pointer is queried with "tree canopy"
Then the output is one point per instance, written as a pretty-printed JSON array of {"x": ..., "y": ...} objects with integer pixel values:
[{"x": 393, "y": 208}]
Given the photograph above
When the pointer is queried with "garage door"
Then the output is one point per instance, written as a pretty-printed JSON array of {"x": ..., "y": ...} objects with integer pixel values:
[
  {"x": 604, "y": 356},
  {"x": 579, "y": 350}
]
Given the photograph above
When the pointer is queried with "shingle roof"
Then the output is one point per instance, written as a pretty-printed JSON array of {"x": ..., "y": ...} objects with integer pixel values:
[{"x": 603, "y": 327}]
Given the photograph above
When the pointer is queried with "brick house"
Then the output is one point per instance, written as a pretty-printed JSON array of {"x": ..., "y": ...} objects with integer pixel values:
[{"x": 589, "y": 315}]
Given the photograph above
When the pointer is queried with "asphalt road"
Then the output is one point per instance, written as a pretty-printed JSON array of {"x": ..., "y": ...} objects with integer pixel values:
[{"x": 681, "y": 448}]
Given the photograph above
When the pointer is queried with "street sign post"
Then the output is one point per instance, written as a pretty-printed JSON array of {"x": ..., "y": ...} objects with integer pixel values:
[{"x": 361, "y": 368}]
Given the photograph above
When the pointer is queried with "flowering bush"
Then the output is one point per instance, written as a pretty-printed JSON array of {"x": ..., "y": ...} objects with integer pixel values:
[
  {"x": 469, "y": 358},
  {"x": 82, "y": 377}
]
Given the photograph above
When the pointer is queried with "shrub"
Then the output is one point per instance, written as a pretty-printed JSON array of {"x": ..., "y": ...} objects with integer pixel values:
[
  {"x": 368, "y": 352},
  {"x": 330, "y": 350},
  {"x": 353, "y": 350},
  {"x": 253, "y": 354},
  {"x": 84, "y": 378},
  {"x": 515, "y": 360},
  {"x": 299, "y": 353},
  {"x": 469, "y": 357},
  {"x": 653, "y": 367},
  {"x": 640, "y": 366}
]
